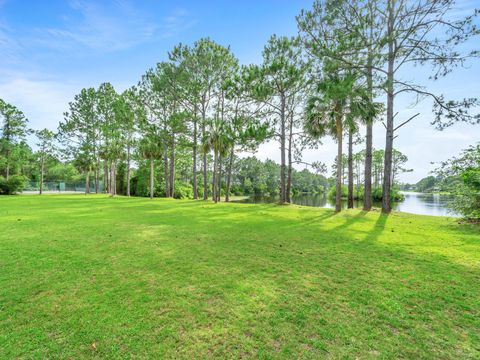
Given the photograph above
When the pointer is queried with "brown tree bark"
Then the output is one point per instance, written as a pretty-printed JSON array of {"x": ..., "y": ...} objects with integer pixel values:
[
  {"x": 7, "y": 170},
  {"x": 95, "y": 174},
  {"x": 42, "y": 171},
  {"x": 283, "y": 198},
  {"x": 350, "y": 169},
  {"x": 219, "y": 178},
  {"x": 229, "y": 175},
  {"x": 367, "y": 194},
  {"x": 290, "y": 169},
  {"x": 386, "y": 203},
  {"x": 165, "y": 170},
  {"x": 214, "y": 180},
  {"x": 106, "y": 177},
  {"x": 172, "y": 168},
  {"x": 338, "y": 192},
  {"x": 87, "y": 182},
  {"x": 152, "y": 167},
  {"x": 194, "y": 158},
  {"x": 128, "y": 170}
]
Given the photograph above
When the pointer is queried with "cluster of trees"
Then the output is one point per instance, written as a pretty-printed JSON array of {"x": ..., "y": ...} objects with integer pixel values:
[
  {"x": 353, "y": 174},
  {"x": 187, "y": 119},
  {"x": 359, "y": 50},
  {"x": 460, "y": 176},
  {"x": 254, "y": 177},
  {"x": 199, "y": 101},
  {"x": 13, "y": 147}
]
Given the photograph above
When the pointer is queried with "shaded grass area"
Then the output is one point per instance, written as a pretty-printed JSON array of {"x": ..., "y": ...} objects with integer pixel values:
[{"x": 99, "y": 277}]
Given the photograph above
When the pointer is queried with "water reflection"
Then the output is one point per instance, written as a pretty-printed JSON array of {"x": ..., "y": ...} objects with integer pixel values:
[
  {"x": 415, "y": 203},
  {"x": 425, "y": 204}
]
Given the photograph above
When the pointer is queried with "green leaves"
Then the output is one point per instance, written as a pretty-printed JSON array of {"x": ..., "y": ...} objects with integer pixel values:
[{"x": 13, "y": 123}]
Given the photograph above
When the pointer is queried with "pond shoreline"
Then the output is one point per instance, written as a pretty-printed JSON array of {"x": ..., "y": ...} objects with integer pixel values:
[{"x": 414, "y": 203}]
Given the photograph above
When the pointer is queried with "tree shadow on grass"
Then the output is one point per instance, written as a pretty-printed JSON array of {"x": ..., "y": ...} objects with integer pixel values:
[
  {"x": 351, "y": 220},
  {"x": 318, "y": 219},
  {"x": 377, "y": 228}
]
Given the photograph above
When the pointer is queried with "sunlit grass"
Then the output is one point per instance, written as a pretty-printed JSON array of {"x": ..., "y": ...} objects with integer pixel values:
[{"x": 84, "y": 277}]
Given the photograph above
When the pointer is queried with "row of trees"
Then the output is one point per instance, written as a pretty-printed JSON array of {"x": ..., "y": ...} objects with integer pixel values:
[
  {"x": 360, "y": 49},
  {"x": 45, "y": 168},
  {"x": 330, "y": 80}
]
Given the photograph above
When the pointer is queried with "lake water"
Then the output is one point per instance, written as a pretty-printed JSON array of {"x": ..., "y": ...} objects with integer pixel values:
[{"x": 414, "y": 203}]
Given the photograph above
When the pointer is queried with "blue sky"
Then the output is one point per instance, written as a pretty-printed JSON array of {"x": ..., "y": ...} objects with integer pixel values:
[{"x": 52, "y": 49}]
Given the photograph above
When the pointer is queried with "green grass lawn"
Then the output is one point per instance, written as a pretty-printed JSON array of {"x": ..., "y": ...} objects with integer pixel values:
[{"x": 99, "y": 277}]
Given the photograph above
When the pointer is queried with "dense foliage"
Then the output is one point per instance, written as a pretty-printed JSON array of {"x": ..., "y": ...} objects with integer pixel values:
[
  {"x": 179, "y": 131},
  {"x": 13, "y": 185},
  {"x": 461, "y": 176}
]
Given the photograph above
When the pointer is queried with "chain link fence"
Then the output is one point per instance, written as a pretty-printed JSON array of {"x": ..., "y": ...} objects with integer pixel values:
[{"x": 61, "y": 187}]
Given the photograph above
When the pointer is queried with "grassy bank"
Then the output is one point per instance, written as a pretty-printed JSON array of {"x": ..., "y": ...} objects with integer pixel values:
[{"x": 84, "y": 277}]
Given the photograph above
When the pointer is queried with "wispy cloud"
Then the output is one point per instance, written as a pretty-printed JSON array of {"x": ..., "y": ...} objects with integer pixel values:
[
  {"x": 110, "y": 27},
  {"x": 42, "y": 100}
]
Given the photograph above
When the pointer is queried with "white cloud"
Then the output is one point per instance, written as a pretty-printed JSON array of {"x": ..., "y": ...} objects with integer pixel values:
[
  {"x": 42, "y": 101},
  {"x": 109, "y": 27}
]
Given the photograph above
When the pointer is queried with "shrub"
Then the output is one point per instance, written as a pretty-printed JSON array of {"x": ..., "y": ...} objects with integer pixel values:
[
  {"x": 13, "y": 185},
  {"x": 358, "y": 195},
  {"x": 333, "y": 191},
  {"x": 183, "y": 190},
  {"x": 395, "y": 195}
]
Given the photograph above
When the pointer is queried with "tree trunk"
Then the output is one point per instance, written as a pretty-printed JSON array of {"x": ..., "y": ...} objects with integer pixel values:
[
  {"x": 96, "y": 178},
  {"x": 205, "y": 180},
  {"x": 114, "y": 178},
  {"x": 367, "y": 194},
  {"x": 87, "y": 182},
  {"x": 172, "y": 168},
  {"x": 229, "y": 175},
  {"x": 165, "y": 170},
  {"x": 194, "y": 158},
  {"x": 214, "y": 180},
  {"x": 105, "y": 177},
  {"x": 219, "y": 178},
  {"x": 350, "y": 169},
  {"x": 7, "y": 170},
  {"x": 387, "y": 175},
  {"x": 151, "y": 177},
  {"x": 42, "y": 171},
  {"x": 283, "y": 198},
  {"x": 338, "y": 193},
  {"x": 110, "y": 178},
  {"x": 128, "y": 170},
  {"x": 289, "y": 175}
]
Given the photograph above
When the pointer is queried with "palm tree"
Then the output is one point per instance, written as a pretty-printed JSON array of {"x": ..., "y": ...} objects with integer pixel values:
[
  {"x": 325, "y": 115},
  {"x": 360, "y": 109},
  {"x": 151, "y": 149},
  {"x": 84, "y": 163},
  {"x": 218, "y": 139},
  {"x": 340, "y": 102}
]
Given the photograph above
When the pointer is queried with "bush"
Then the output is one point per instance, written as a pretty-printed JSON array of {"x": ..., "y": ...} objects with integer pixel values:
[
  {"x": 467, "y": 195},
  {"x": 183, "y": 190},
  {"x": 359, "y": 195},
  {"x": 395, "y": 195},
  {"x": 15, "y": 184},
  {"x": 333, "y": 192},
  {"x": 466, "y": 203}
]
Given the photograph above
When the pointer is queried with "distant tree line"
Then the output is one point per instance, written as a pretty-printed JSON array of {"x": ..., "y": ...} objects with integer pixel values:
[{"x": 181, "y": 128}]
